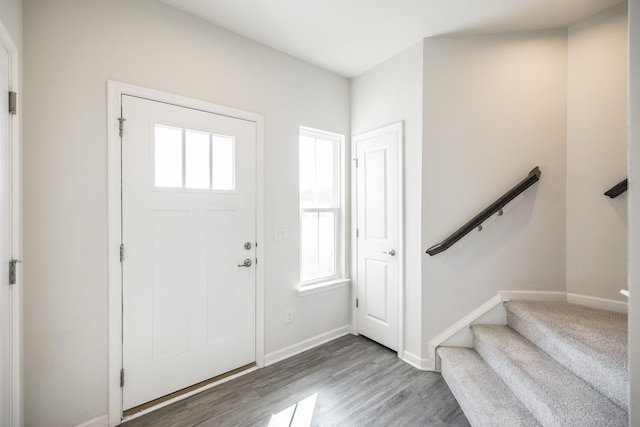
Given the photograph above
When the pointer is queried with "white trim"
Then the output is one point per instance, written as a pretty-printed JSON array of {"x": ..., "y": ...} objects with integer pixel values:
[
  {"x": 397, "y": 127},
  {"x": 462, "y": 324},
  {"x": 551, "y": 296},
  {"x": 595, "y": 302},
  {"x": 15, "y": 244},
  {"x": 353, "y": 239},
  {"x": 100, "y": 421},
  {"x": 305, "y": 345},
  {"x": 261, "y": 237},
  {"x": 114, "y": 91},
  {"x": 417, "y": 362},
  {"x": 304, "y": 290}
]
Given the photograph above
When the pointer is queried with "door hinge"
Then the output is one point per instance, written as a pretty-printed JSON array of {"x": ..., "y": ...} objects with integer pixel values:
[
  {"x": 122, "y": 377},
  {"x": 355, "y": 159},
  {"x": 357, "y": 302},
  {"x": 12, "y": 271},
  {"x": 121, "y": 125},
  {"x": 122, "y": 252},
  {"x": 13, "y": 103},
  {"x": 357, "y": 233}
]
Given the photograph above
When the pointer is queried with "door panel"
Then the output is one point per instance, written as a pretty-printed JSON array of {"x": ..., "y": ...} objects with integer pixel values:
[
  {"x": 375, "y": 197},
  {"x": 189, "y": 205},
  {"x": 170, "y": 266},
  {"x": 378, "y": 223},
  {"x": 377, "y": 290}
]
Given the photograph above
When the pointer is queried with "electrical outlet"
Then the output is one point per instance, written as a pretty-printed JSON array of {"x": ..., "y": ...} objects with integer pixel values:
[{"x": 288, "y": 316}]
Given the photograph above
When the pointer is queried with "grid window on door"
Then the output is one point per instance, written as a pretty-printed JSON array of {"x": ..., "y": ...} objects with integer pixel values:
[
  {"x": 320, "y": 204},
  {"x": 193, "y": 159}
]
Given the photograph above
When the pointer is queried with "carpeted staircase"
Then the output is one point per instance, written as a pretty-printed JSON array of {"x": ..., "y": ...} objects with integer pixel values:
[{"x": 553, "y": 364}]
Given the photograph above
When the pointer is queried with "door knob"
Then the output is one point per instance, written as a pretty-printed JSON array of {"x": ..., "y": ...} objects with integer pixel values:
[
  {"x": 392, "y": 252},
  {"x": 247, "y": 263}
]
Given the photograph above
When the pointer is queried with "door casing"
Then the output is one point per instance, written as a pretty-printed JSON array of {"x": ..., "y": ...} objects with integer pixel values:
[
  {"x": 15, "y": 244},
  {"x": 114, "y": 92},
  {"x": 398, "y": 128}
]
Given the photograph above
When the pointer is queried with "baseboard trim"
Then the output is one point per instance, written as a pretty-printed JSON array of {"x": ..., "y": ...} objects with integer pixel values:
[
  {"x": 417, "y": 362},
  {"x": 548, "y": 296},
  {"x": 99, "y": 421},
  {"x": 595, "y": 302},
  {"x": 308, "y": 344}
]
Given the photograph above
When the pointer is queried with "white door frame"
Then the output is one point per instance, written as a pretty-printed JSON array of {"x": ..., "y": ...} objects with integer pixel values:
[
  {"x": 115, "y": 91},
  {"x": 16, "y": 236},
  {"x": 398, "y": 128}
]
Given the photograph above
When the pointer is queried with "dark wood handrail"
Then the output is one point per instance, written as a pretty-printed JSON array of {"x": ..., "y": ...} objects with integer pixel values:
[
  {"x": 476, "y": 221},
  {"x": 617, "y": 189}
]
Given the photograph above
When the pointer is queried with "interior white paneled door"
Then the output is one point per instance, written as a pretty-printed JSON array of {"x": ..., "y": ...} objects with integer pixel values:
[
  {"x": 378, "y": 225},
  {"x": 189, "y": 236},
  {"x": 5, "y": 243}
]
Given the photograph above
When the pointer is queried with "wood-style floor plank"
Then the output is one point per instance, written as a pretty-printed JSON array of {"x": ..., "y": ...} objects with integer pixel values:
[{"x": 358, "y": 383}]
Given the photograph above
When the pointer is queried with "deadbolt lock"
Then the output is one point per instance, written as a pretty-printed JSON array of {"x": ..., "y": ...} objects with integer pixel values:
[{"x": 247, "y": 245}]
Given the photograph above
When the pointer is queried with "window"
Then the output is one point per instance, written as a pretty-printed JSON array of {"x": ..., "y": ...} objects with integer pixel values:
[
  {"x": 192, "y": 159},
  {"x": 321, "y": 217}
]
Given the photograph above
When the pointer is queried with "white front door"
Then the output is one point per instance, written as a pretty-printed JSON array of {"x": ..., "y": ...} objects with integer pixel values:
[
  {"x": 5, "y": 243},
  {"x": 189, "y": 238},
  {"x": 378, "y": 239}
]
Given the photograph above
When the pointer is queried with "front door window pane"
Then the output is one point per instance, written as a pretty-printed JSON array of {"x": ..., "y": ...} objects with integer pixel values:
[
  {"x": 197, "y": 159},
  {"x": 223, "y": 162},
  {"x": 168, "y": 156}
]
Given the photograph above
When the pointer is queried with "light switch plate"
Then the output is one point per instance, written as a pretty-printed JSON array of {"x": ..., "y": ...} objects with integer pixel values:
[{"x": 280, "y": 232}]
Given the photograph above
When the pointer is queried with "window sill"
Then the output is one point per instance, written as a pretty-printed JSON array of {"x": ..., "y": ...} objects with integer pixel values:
[{"x": 304, "y": 290}]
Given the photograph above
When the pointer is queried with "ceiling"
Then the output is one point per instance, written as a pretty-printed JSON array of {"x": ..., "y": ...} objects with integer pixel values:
[{"x": 349, "y": 37}]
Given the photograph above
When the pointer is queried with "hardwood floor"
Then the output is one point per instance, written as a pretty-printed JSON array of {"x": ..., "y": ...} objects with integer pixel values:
[{"x": 358, "y": 383}]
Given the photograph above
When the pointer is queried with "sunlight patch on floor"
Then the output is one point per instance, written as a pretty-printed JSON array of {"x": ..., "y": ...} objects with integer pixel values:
[{"x": 297, "y": 415}]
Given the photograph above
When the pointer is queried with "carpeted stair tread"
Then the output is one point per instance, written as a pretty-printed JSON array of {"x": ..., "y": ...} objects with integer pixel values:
[
  {"x": 590, "y": 342},
  {"x": 554, "y": 395},
  {"x": 484, "y": 398}
]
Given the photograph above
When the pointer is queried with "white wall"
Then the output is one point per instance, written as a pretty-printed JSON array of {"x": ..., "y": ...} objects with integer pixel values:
[
  {"x": 494, "y": 107},
  {"x": 634, "y": 210},
  {"x": 597, "y": 155},
  {"x": 72, "y": 48},
  {"x": 389, "y": 93}
]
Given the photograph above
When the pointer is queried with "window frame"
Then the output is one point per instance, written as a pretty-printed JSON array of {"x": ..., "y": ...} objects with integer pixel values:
[
  {"x": 339, "y": 207},
  {"x": 212, "y": 133}
]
